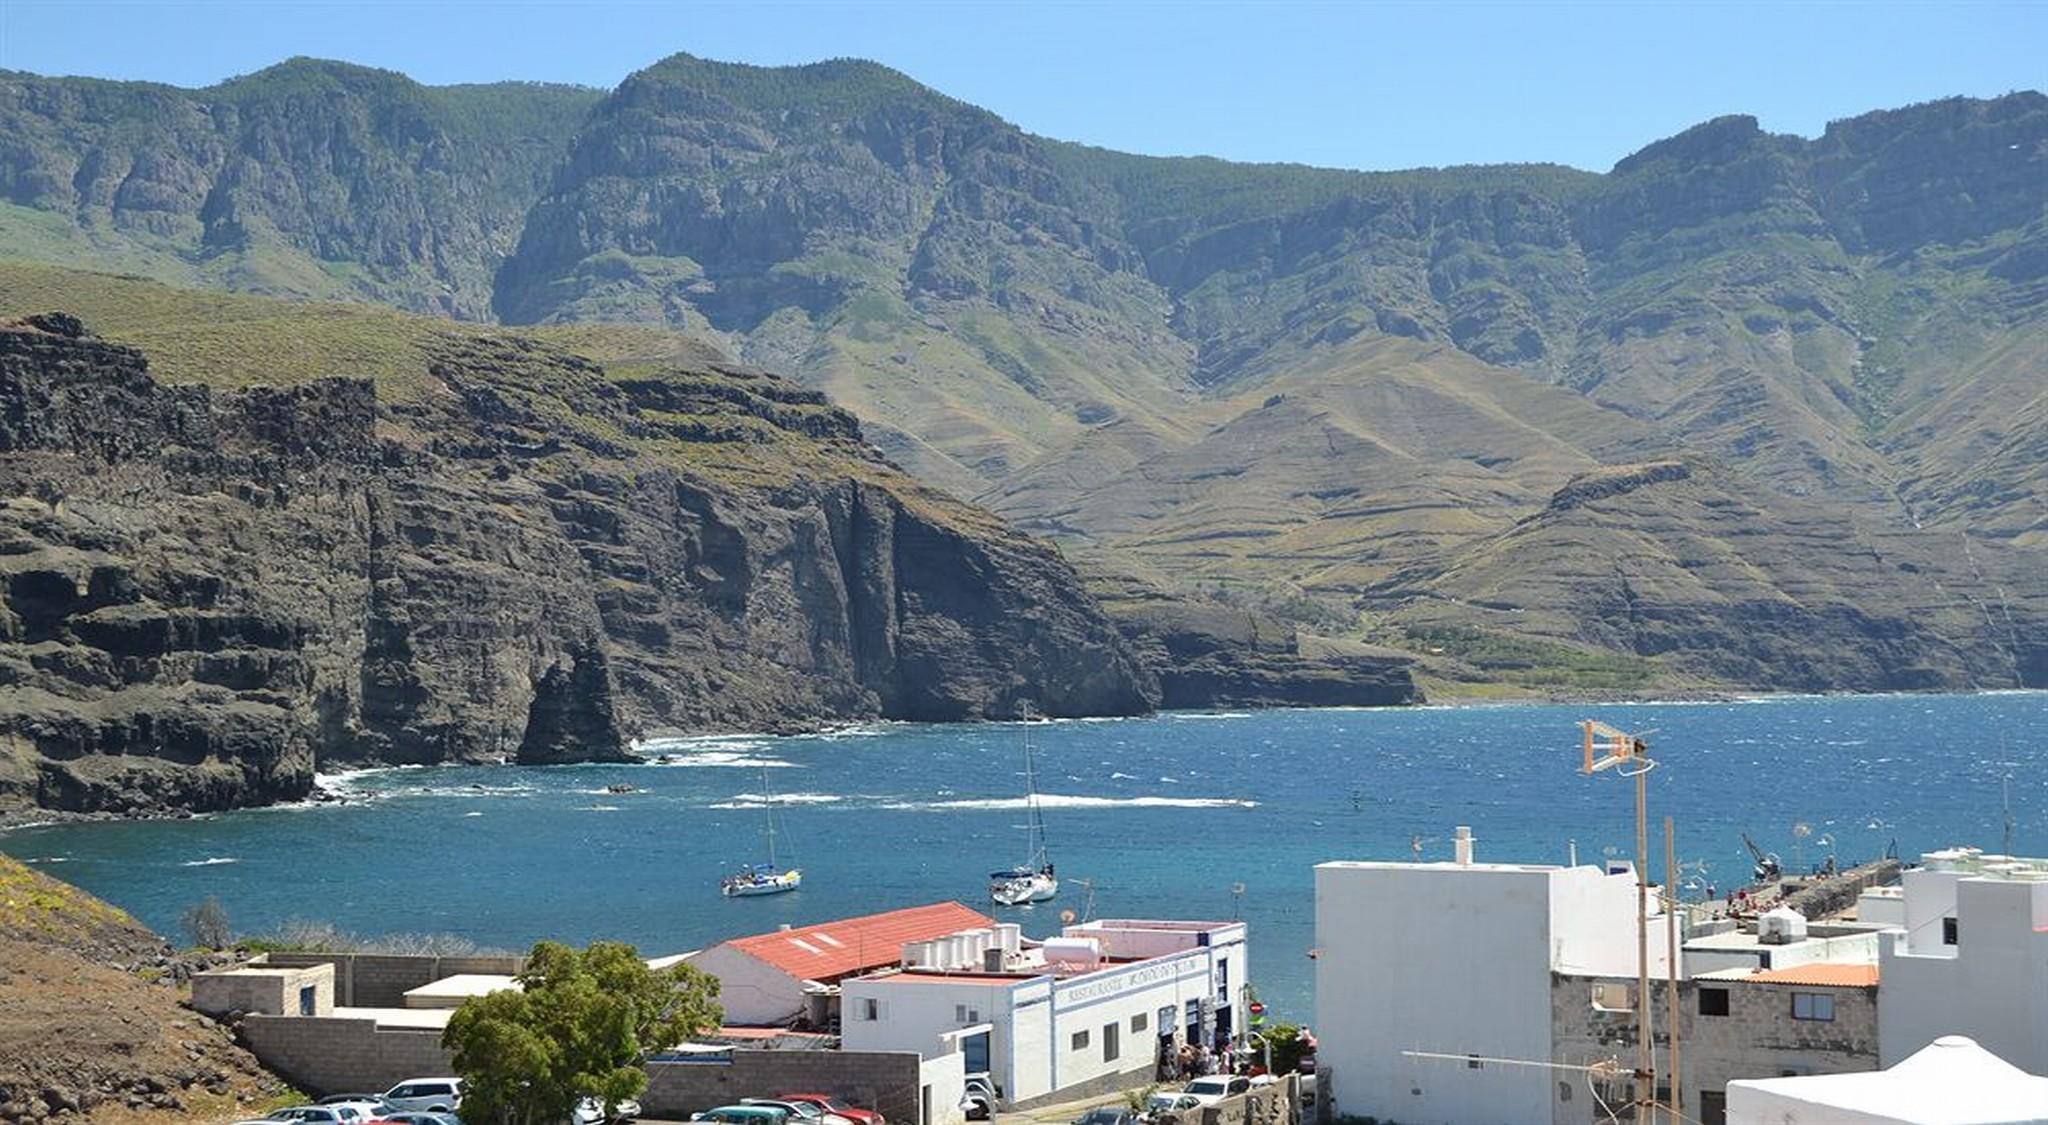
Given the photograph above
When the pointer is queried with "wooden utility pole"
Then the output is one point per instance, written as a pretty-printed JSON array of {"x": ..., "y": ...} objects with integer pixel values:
[{"x": 1671, "y": 967}]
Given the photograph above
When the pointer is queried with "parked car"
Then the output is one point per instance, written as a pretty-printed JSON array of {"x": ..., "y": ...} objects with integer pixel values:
[
  {"x": 1107, "y": 1115},
  {"x": 320, "y": 1115},
  {"x": 801, "y": 1112},
  {"x": 744, "y": 1115},
  {"x": 978, "y": 1100},
  {"x": 830, "y": 1104},
  {"x": 1216, "y": 1087},
  {"x": 590, "y": 1111},
  {"x": 1171, "y": 1102},
  {"x": 430, "y": 1095},
  {"x": 371, "y": 1106},
  {"x": 420, "y": 1117}
]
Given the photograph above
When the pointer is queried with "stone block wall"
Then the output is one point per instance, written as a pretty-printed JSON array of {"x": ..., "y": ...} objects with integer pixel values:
[
  {"x": 885, "y": 1081},
  {"x": 364, "y": 980},
  {"x": 335, "y": 1056},
  {"x": 274, "y": 992}
]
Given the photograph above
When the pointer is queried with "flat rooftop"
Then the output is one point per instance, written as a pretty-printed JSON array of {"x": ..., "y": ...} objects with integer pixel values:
[
  {"x": 419, "y": 1019},
  {"x": 450, "y": 992}
]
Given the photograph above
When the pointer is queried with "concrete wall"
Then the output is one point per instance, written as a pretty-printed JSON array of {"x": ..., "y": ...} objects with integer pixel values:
[
  {"x": 885, "y": 1081},
  {"x": 335, "y": 1056},
  {"x": 269, "y": 991},
  {"x": 1989, "y": 986},
  {"x": 363, "y": 980},
  {"x": 944, "y": 1082},
  {"x": 752, "y": 991},
  {"x": 1433, "y": 957},
  {"x": 1277, "y": 1104}
]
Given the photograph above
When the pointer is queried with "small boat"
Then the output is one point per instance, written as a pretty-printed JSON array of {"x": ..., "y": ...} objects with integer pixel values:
[
  {"x": 762, "y": 878},
  {"x": 1034, "y": 880},
  {"x": 759, "y": 879}
]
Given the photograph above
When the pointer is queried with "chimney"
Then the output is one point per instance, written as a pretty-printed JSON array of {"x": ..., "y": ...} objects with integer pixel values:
[{"x": 1464, "y": 844}]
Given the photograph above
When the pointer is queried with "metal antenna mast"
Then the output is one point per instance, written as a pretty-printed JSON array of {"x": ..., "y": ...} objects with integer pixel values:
[{"x": 1628, "y": 754}]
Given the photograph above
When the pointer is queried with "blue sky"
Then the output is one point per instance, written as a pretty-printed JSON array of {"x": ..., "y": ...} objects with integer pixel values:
[{"x": 1380, "y": 85}]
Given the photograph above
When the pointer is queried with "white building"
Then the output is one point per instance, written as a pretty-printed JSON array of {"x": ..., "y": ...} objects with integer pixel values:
[
  {"x": 1459, "y": 958},
  {"x": 1085, "y": 1012},
  {"x": 788, "y": 976},
  {"x": 1971, "y": 960},
  {"x": 1951, "y": 1081}
]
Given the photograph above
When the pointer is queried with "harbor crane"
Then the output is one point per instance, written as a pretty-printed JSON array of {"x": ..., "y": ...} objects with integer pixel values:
[{"x": 1767, "y": 868}]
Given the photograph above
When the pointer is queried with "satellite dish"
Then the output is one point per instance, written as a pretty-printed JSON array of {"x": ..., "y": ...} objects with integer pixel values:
[
  {"x": 1237, "y": 888},
  {"x": 1067, "y": 917}
]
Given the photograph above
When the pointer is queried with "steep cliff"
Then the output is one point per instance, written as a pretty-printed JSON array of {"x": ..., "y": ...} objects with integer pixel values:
[
  {"x": 309, "y": 178},
  {"x": 1320, "y": 384},
  {"x": 497, "y": 549}
]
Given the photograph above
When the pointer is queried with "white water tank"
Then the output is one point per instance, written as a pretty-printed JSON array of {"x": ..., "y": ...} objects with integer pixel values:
[
  {"x": 1010, "y": 936},
  {"x": 1071, "y": 954},
  {"x": 1781, "y": 926}
]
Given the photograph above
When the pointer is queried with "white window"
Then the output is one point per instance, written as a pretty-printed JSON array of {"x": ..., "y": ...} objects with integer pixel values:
[{"x": 1813, "y": 1006}]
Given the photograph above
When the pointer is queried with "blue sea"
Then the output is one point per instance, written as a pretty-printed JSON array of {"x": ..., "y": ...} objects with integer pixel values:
[{"x": 1202, "y": 815}]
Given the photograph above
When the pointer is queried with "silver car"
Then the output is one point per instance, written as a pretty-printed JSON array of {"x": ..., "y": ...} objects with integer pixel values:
[{"x": 426, "y": 1095}]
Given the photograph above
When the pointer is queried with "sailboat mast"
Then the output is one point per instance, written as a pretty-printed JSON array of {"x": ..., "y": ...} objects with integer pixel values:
[{"x": 768, "y": 801}]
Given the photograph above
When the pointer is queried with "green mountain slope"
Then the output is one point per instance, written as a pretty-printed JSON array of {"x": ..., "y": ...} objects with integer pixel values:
[
  {"x": 1331, "y": 390},
  {"x": 308, "y": 179}
]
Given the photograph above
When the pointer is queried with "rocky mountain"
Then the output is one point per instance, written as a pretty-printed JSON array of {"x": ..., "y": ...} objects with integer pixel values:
[
  {"x": 1321, "y": 397},
  {"x": 309, "y": 179},
  {"x": 478, "y": 545}
]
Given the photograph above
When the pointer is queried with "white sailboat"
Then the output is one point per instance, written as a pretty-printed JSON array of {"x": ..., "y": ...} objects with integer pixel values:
[
  {"x": 762, "y": 878},
  {"x": 1034, "y": 880}
]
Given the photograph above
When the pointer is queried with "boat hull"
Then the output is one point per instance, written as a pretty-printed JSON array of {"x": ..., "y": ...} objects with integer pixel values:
[
  {"x": 754, "y": 888},
  {"x": 1024, "y": 890}
]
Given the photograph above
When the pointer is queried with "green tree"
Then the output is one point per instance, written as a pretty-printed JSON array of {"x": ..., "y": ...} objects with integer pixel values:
[
  {"x": 581, "y": 1025},
  {"x": 1287, "y": 1046}
]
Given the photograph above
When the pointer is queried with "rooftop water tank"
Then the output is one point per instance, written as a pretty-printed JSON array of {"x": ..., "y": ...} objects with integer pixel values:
[{"x": 1072, "y": 953}]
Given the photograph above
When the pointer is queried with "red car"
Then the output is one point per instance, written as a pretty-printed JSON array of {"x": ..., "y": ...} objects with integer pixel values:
[{"x": 831, "y": 1104}]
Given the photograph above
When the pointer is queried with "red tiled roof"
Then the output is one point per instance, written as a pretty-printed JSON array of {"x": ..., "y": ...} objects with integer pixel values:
[
  {"x": 1820, "y": 974},
  {"x": 830, "y": 950}
]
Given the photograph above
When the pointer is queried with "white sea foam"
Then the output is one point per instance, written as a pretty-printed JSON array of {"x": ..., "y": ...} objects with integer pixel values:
[
  {"x": 597, "y": 808},
  {"x": 210, "y": 861},
  {"x": 1075, "y": 801},
  {"x": 1200, "y": 715},
  {"x": 472, "y": 814},
  {"x": 732, "y": 759},
  {"x": 1123, "y": 777},
  {"x": 757, "y": 800}
]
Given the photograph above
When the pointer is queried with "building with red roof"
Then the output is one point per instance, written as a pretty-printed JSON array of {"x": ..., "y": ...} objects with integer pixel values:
[{"x": 784, "y": 976}]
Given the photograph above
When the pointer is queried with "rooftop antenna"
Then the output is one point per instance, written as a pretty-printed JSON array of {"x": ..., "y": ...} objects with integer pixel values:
[
  {"x": 1800, "y": 831},
  {"x": 1628, "y": 755},
  {"x": 1236, "y": 901}
]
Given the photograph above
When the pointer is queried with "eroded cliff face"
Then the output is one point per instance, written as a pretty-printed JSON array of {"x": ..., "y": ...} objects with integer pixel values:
[{"x": 208, "y": 594}]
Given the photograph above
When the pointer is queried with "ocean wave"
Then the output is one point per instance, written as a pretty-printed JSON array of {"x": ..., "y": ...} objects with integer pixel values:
[
  {"x": 762, "y": 800},
  {"x": 210, "y": 861},
  {"x": 1123, "y": 777},
  {"x": 597, "y": 808},
  {"x": 1076, "y": 801},
  {"x": 707, "y": 759},
  {"x": 1206, "y": 715}
]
